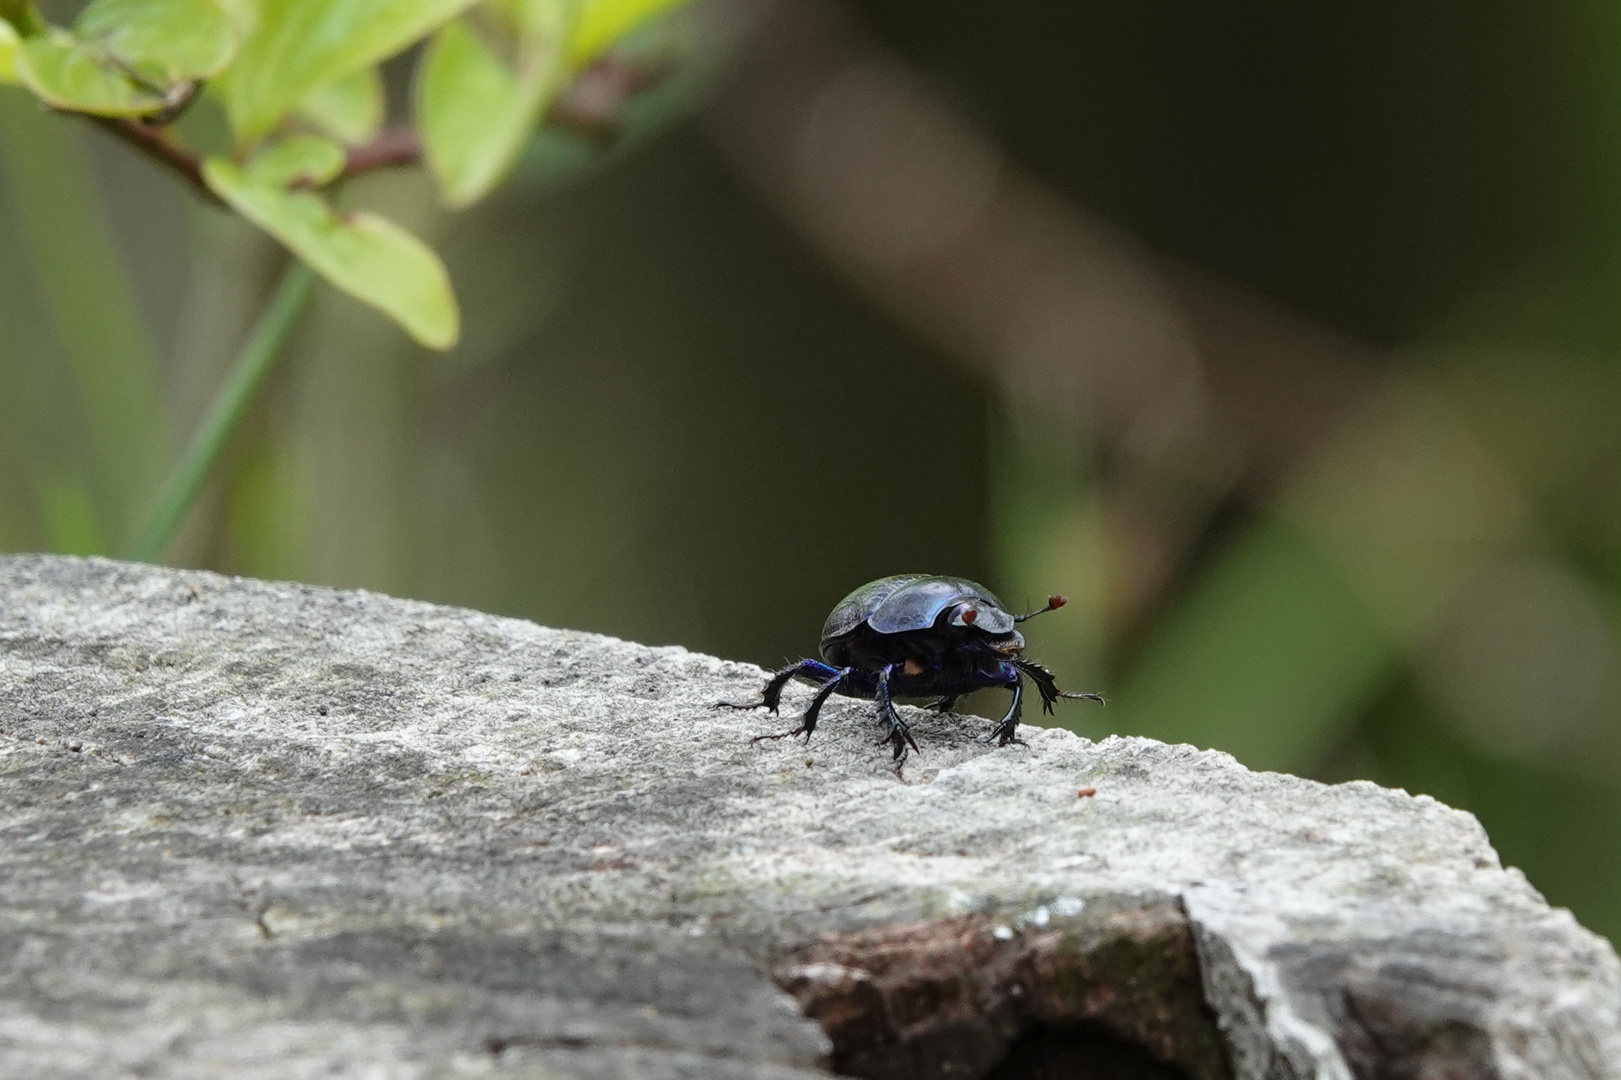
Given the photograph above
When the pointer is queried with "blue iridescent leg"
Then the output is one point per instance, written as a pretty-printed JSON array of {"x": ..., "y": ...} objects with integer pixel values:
[
  {"x": 807, "y": 723},
  {"x": 812, "y": 670},
  {"x": 899, "y": 735}
]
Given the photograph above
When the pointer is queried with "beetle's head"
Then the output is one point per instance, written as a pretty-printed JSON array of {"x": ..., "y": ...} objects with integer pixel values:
[{"x": 1009, "y": 644}]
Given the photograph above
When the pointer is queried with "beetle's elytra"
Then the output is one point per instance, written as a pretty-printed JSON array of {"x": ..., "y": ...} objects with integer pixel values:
[{"x": 917, "y": 635}]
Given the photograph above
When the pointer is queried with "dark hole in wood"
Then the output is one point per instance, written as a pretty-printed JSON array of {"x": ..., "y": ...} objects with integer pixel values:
[{"x": 1078, "y": 1052}]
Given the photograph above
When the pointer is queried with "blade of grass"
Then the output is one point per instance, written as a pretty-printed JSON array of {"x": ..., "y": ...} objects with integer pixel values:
[{"x": 248, "y": 373}]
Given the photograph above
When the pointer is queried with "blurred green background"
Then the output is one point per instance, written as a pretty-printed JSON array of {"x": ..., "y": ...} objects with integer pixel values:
[{"x": 1284, "y": 339}]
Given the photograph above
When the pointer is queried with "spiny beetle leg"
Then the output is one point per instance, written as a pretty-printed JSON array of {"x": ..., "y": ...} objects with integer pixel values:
[
  {"x": 897, "y": 734},
  {"x": 807, "y": 724},
  {"x": 771, "y": 696},
  {"x": 1007, "y": 730},
  {"x": 1047, "y": 685}
]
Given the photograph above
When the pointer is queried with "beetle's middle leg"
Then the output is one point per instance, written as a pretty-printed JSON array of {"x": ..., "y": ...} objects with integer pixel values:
[{"x": 899, "y": 735}]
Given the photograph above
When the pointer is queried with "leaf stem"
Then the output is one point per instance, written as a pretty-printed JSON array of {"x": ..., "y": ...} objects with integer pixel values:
[{"x": 253, "y": 363}]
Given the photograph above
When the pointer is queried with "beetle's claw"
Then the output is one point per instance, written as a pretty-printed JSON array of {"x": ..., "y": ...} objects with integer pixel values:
[
  {"x": 1089, "y": 697},
  {"x": 1004, "y": 735},
  {"x": 899, "y": 738},
  {"x": 902, "y": 741}
]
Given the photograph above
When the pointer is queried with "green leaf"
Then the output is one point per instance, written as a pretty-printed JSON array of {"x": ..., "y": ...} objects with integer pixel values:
[
  {"x": 475, "y": 110},
  {"x": 301, "y": 45},
  {"x": 366, "y": 256},
  {"x": 600, "y": 23},
  {"x": 126, "y": 55},
  {"x": 244, "y": 15},
  {"x": 23, "y": 17},
  {"x": 10, "y": 44},
  {"x": 299, "y": 159},
  {"x": 349, "y": 109},
  {"x": 164, "y": 41},
  {"x": 65, "y": 74}
]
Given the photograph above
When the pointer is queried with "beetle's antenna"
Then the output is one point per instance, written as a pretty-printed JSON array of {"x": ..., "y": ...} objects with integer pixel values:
[{"x": 1053, "y": 602}]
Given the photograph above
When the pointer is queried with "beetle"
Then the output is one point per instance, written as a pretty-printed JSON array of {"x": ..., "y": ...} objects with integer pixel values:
[{"x": 917, "y": 635}]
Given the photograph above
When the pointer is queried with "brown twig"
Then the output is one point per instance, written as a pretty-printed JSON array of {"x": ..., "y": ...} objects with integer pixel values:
[
  {"x": 390, "y": 149},
  {"x": 590, "y": 105},
  {"x": 153, "y": 143}
]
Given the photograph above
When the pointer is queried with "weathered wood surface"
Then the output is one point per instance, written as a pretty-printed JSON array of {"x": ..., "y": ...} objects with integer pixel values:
[{"x": 264, "y": 830}]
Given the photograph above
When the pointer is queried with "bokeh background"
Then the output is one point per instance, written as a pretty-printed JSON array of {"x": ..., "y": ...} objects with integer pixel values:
[{"x": 1282, "y": 338}]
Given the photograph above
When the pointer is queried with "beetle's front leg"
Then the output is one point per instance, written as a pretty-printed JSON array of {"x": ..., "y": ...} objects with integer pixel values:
[
  {"x": 1047, "y": 685},
  {"x": 899, "y": 735},
  {"x": 1007, "y": 730},
  {"x": 771, "y": 696}
]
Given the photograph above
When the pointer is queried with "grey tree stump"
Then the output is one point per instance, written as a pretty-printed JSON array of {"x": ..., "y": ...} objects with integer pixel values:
[{"x": 265, "y": 830}]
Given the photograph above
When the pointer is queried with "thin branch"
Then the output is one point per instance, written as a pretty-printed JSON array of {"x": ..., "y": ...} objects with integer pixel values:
[
  {"x": 590, "y": 105},
  {"x": 390, "y": 149},
  {"x": 154, "y": 144}
]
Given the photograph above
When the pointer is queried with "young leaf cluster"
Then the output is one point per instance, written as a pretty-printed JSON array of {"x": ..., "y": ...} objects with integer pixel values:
[{"x": 298, "y": 82}]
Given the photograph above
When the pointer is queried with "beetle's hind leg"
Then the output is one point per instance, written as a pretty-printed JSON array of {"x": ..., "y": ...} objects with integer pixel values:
[
  {"x": 897, "y": 733},
  {"x": 944, "y": 704},
  {"x": 1047, "y": 685},
  {"x": 771, "y": 696},
  {"x": 807, "y": 723}
]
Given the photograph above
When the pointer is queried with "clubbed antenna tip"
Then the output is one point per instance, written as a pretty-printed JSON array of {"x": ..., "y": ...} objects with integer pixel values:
[{"x": 1053, "y": 602}]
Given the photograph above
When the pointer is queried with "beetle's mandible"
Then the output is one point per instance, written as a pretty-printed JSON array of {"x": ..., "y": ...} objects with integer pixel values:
[{"x": 917, "y": 635}]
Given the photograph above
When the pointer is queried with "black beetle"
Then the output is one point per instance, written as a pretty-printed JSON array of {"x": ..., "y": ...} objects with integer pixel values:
[{"x": 917, "y": 635}]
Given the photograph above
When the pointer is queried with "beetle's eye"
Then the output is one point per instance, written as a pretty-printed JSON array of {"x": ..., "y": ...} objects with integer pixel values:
[{"x": 969, "y": 615}]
